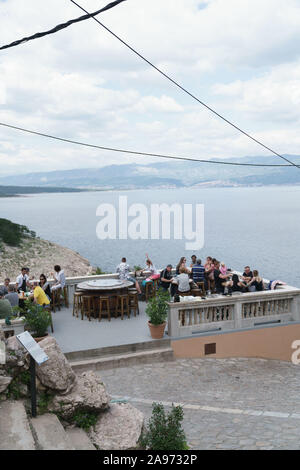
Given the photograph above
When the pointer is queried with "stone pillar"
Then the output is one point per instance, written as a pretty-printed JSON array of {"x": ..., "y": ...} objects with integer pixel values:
[
  {"x": 237, "y": 312},
  {"x": 173, "y": 323},
  {"x": 295, "y": 307}
]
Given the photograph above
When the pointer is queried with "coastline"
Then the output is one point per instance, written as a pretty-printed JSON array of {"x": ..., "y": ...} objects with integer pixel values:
[{"x": 40, "y": 256}]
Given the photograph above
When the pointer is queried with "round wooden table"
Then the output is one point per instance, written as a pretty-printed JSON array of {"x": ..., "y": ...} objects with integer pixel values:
[{"x": 110, "y": 288}]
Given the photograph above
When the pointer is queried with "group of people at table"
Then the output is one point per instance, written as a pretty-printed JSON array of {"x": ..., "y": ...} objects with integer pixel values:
[
  {"x": 214, "y": 276},
  {"x": 13, "y": 295}
]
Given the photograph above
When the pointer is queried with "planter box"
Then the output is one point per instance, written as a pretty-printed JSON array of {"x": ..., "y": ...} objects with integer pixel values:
[{"x": 16, "y": 327}]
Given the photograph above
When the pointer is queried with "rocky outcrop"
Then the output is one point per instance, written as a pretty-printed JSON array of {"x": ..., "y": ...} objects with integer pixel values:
[
  {"x": 88, "y": 394},
  {"x": 4, "y": 382},
  {"x": 119, "y": 428},
  {"x": 56, "y": 373}
]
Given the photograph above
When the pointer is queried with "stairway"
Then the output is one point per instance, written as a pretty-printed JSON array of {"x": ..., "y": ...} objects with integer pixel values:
[
  {"x": 19, "y": 432},
  {"x": 121, "y": 356}
]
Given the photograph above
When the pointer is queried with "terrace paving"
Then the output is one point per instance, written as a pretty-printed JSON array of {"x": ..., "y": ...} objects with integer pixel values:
[
  {"x": 228, "y": 403},
  {"x": 74, "y": 334}
]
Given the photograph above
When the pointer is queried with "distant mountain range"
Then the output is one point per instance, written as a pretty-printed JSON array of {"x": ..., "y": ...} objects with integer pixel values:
[{"x": 167, "y": 174}]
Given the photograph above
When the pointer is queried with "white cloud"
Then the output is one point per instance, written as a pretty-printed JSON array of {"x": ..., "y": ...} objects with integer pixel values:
[{"x": 239, "y": 56}]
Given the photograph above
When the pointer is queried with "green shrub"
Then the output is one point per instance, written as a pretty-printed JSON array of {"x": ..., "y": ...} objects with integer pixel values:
[
  {"x": 164, "y": 431},
  {"x": 85, "y": 419},
  {"x": 14, "y": 234},
  {"x": 43, "y": 402},
  {"x": 157, "y": 308},
  {"x": 38, "y": 319}
]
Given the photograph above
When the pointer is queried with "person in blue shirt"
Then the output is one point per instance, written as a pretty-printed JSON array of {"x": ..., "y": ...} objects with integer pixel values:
[{"x": 198, "y": 272}]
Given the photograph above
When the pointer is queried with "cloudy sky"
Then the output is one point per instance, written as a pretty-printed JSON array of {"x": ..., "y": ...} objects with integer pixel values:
[{"x": 241, "y": 57}]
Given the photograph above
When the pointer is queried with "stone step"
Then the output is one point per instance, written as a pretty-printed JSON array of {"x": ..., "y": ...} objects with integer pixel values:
[
  {"x": 123, "y": 360},
  {"x": 79, "y": 439},
  {"x": 15, "y": 433},
  {"x": 50, "y": 434},
  {"x": 118, "y": 350}
]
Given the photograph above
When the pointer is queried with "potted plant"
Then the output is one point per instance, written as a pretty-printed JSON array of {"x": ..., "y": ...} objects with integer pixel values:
[
  {"x": 38, "y": 320},
  {"x": 157, "y": 311}
]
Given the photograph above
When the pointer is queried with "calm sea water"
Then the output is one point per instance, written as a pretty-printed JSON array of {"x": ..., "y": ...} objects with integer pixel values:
[{"x": 255, "y": 226}]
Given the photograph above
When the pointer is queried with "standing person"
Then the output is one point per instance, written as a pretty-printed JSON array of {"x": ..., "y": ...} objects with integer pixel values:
[
  {"x": 22, "y": 281},
  {"x": 181, "y": 264},
  {"x": 44, "y": 284},
  {"x": 166, "y": 278},
  {"x": 12, "y": 296},
  {"x": 150, "y": 267},
  {"x": 60, "y": 279},
  {"x": 5, "y": 288},
  {"x": 209, "y": 273},
  {"x": 123, "y": 269},
  {"x": 194, "y": 260}
]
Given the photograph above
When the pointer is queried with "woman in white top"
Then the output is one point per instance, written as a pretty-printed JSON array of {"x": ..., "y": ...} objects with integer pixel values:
[{"x": 150, "y": 267}]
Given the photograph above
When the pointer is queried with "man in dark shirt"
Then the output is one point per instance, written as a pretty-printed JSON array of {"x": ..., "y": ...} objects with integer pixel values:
[
  {"x": 166, "y": 277},
  {"x": 247, "y": 274}
]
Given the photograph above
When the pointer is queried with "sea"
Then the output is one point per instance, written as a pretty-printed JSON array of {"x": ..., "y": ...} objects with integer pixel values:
[{"x": 255, "y": 226}]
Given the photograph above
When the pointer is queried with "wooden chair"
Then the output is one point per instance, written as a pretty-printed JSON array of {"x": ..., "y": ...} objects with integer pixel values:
[
  {"x": 201, "y": 286},
  {"x": 77, "y": 303},
  {"x": 66, "y": 296},
  {"x": 55, "y": 299},
  {"x": 149, "y": 290},
  {"x": 134, "y": 302},
  {"x": 88, "y": 306},
  {"x": 197, "y": 292},
  {"x": 123, "y": 305},
  {"x": 104, "y": 307}
]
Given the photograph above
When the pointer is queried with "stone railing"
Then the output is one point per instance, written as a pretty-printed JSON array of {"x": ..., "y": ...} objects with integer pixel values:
[{"x": 233, "y": 312}]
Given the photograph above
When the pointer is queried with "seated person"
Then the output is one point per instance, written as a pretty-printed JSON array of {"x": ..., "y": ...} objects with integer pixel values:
[
  {"x": 123, "y": 269},
  {"x": 39, "y": 296},
  {"x": 45, "y": 285},
  {"x": 60, "y": 279},
  {"x": 247, "y": 274},
  {"x": 223, "y": 268},
  {"x": 256, "y": 282},
  {"x": 12, "y": 297},
  {"x": 166, "y": 277},
  {"x": 4, "y": 289},
  {"x": 5, "y": 309},
  {"x": 22, "y": 281},
  {"x": 150, "y": 267},
  {"x": 183, "y": 281},
  {"x": 220, "y": 279},
  {"x": 198, "y": 272},
  {"x": 235, "y": 285}
]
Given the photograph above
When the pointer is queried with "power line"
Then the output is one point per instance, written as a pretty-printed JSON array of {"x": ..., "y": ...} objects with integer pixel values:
[
  {"x": 133, "y": 152},
  {"x": 186, "y": 91},
  {"x": 62, "y": 26}
]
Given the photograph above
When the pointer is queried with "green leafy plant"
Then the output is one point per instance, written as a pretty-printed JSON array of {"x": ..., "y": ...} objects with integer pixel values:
[
  {"x": 44, "y": 401},
  {"x": 38, "y": 319},
  {"x": 164, "y": 431},
  {"x": 157, "y": 308},
  {"x": 85, "y": 419}
]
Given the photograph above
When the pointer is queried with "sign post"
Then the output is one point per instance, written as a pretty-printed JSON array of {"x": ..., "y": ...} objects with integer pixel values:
[{"x": 37, "y": 355}]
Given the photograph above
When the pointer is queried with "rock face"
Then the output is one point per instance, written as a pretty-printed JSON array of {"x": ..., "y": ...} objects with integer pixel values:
[
  {"x": 4, "y": 383},
  {"x": 119, "y": 428},
  {"x": 56, "y": 373},
  {"x": 88, "y": 394}
]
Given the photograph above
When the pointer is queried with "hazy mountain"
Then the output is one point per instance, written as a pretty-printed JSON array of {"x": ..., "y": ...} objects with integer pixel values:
[{"x": 165, "y": 174}]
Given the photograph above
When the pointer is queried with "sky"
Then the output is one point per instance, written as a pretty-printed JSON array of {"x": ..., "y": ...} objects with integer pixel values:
[{"x": 241, "y": 57}]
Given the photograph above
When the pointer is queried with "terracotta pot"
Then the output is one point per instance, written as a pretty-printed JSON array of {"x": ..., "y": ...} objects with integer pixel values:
[{"x": 157, "y": 331}]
